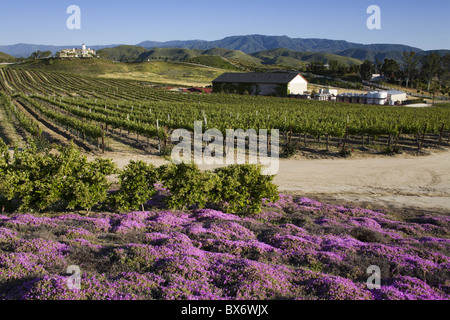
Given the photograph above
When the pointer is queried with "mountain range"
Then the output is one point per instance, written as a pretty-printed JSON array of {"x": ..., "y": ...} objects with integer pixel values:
[
  {"x": 251, "y": 44},
  {"x": 222, "y": 58}
]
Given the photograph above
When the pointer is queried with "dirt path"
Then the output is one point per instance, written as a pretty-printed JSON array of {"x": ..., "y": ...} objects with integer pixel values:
[{"x": 419, "y": 183}]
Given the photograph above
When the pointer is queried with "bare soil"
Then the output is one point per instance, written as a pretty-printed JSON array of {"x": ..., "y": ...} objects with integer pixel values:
[{"x": 402, "y": 182}]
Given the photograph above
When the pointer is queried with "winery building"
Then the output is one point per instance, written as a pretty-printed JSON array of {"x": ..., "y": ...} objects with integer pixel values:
[{"x": 280, "y": 84}]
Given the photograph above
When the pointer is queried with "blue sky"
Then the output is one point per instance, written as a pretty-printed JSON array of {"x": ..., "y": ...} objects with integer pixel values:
[{"x": 423, "y": 24}]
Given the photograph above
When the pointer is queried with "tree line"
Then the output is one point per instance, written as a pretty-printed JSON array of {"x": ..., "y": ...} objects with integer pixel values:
[{"x": 430, "y": 72}]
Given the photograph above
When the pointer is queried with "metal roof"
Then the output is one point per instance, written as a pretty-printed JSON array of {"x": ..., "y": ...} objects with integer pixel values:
[
  {"x": 255, "y": 77},
  {"x": 395, "y": 92}
]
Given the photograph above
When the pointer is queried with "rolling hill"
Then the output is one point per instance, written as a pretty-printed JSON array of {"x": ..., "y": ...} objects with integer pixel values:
[
  {"x": 224, "y": 57},
  {"x": 247, "y": 44},
  {"x": 294, "y": 58},
  {"x": 122, "y": 53},
  {"x": 6, "y": 57},
  {"x": 231, "y": 55},
  {"x": 162, "y": 72},
  {"x": 171, "y": 54},
  {"x": 214, "y": 62}
]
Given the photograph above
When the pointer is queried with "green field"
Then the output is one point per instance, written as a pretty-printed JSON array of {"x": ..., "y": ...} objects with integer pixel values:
[
  {"x": 162, "y": 72},
  {"x": 82, "y": 105}
]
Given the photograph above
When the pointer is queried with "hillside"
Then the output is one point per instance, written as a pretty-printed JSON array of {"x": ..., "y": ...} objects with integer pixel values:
[
  {"x": 222, "y": 57},
  {"x": 214, "y": 62},
  {"x": 231, "y": 55},
  {"x": 171, "y": 54},
  {"x": 87, "y": 67},
  {"x": 6, "y": 57},
  {"x": 121, "y": 53},
  {"x": 247, "y": 44},
  {"x": 294, "y": 58},
  {"x": 162, "y": 72}
]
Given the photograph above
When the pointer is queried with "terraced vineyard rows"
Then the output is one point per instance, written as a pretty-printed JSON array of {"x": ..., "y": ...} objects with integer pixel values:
[{"x": 84, "y": 105}]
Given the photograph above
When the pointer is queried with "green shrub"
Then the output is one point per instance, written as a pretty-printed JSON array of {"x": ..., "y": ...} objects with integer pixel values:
[
  {"x": 288, "y": 149},
  {"x": 87, "y": 184},
  {"x": 368, "y": 235},
  {"x": 345, "y": 152},
  {"x": 393, "y": 150},
  {"x": 241, "y": 188},
  {"x": 352, "y": 78},
  {"x": 52, "y": 179},
  {"x": 137, "y": 182},
  {"x": 187, "y": 184},
  {"x": 4, "y": 161}
]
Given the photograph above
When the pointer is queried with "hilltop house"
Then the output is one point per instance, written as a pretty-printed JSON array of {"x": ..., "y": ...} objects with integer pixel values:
[
  {"x": 77, "y": 53},
  {"x": 267, "y": 84}
]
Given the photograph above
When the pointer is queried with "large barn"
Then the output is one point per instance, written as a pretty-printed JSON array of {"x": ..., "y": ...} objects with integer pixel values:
[{"x": 267, "y": 84}]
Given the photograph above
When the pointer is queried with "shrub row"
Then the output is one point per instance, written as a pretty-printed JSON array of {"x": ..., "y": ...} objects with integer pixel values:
[{"x": 61, "y": 178}]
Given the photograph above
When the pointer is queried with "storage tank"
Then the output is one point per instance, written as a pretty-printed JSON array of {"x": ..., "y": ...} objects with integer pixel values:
[
  {"x": 370, "y": 97},
  {"x": 355, "y": 98},
  {"x": 380, "y": 98}
]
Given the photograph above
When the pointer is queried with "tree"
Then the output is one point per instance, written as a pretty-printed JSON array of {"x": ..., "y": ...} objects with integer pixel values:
[
  {"x": 334, "y": 66},
  {"x": 317, "y": 67},
  {"x": 444, "y": 72},
  {"x": 366, "y": 70},
  {"x": 40, "y": 54},
  {"x": 430, "y": 67},
  {"x": 378, "y": 66},
  {"x": 45, "y": 54},
  {"x": 390, "y": 68},
  {"x": 410, "y": 62}
]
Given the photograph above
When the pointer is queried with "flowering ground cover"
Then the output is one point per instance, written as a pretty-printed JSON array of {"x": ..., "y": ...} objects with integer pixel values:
[{"x": 297, "y": 248}]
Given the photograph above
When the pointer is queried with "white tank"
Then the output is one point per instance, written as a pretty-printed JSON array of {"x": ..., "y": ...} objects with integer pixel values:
[
  {"x": 370, "y": 97},
  {"x": 380, "y": 98}
]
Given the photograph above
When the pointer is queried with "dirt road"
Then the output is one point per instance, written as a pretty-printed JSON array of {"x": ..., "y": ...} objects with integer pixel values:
[{"x": 421, "y": 183}]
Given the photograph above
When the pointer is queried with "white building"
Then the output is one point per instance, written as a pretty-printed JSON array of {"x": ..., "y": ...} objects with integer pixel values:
[
  {"x": 396, "y": 97},
  {"x": 77, "y": 53},
  {"x": 278, "y": 84},
  {"x": 391, "y": 97}
]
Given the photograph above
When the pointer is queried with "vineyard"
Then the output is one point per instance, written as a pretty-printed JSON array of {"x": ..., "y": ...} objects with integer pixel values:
[
  {"x": 223, "y": 234},
  {"x": 96, "y": 112}
]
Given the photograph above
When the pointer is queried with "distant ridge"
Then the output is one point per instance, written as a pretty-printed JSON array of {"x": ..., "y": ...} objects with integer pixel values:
[{"x": 255, "y": 43}]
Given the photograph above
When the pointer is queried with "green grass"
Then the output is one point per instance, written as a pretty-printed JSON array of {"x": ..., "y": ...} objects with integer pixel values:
[
  {"x": 169, "y": 54},
  {"x": 161, "y": 72},
  {"x": 215, "y": 62},
  {"x": 294, "y": 58},
  {"x": 6, "y": 57},
  {"x": 235, "y": 55},
  {"x": 122, "y": 53}
]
